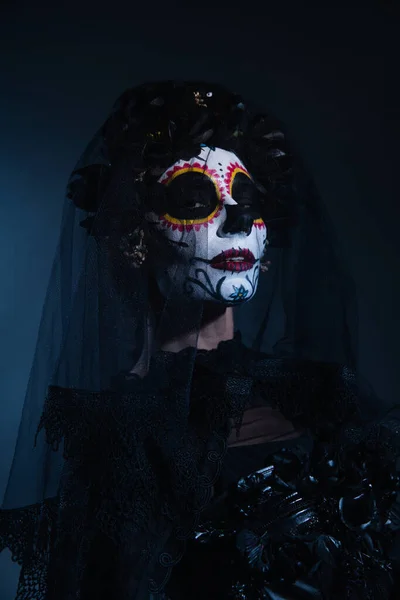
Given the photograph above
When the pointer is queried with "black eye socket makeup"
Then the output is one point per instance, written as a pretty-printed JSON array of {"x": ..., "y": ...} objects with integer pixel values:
[
  {"x": 191, "y": 195},
  {"x": 246, "y": 193}
]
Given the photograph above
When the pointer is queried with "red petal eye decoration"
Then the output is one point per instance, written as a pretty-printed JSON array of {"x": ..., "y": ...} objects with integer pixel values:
[{"x": 231, "y": 171}]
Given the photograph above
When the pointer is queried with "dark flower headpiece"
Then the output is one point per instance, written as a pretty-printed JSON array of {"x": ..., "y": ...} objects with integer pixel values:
[{"x": 156, "y": 124}]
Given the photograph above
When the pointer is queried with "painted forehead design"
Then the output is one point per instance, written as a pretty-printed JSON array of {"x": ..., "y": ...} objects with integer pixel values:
[{"x": 219, "y": 165}]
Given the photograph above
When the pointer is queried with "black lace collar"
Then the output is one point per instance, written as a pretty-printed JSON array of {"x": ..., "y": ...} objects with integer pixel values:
[{"x": 231, "y": 357}]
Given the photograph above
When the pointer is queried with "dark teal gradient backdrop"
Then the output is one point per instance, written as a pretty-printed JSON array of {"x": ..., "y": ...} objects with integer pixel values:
[{"x": 327, "y": 72}]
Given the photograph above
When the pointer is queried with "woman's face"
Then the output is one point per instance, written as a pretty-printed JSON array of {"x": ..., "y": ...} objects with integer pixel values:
[{"x": 212, "y": 220}]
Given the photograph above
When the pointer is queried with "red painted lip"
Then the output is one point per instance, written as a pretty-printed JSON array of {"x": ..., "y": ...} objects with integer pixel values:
[{"x": 224, "y": 263}]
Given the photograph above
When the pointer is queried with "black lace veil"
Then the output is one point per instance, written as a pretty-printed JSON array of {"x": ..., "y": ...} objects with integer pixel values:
[{"x": 104, "y": 319}]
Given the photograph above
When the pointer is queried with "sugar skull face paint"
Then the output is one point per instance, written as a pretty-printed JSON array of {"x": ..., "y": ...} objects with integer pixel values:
[{"x": 213, "y": 219}]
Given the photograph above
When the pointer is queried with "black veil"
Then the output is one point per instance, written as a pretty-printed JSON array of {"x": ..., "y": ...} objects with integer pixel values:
[{"x": 97, "y": 461}]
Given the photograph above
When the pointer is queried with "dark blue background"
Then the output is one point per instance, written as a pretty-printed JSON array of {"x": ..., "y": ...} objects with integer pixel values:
[{"x": 327, "y": 71}]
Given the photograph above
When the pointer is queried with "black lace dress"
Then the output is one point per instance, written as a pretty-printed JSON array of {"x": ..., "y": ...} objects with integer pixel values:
[
  {"x": 172, "y": 512},
  {"x": 303, "y": 518}
]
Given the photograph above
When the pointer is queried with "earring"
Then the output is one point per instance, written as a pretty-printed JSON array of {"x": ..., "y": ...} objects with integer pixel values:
[
  {"x": 133, "y": 247},
  {"x": 264, "y": 266},
  {"x": 264, "y": 263}
]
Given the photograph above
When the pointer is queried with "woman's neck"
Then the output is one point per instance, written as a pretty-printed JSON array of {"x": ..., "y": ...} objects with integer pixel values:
[{"x": 216, "y": 326}]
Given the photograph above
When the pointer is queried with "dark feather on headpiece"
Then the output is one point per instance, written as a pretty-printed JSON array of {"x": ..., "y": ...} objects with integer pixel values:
[{"x": 157, "y": 124}]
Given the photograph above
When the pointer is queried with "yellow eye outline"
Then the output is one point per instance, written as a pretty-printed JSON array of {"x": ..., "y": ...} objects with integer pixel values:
[
  {"x": 232, "y": 174},
  {"x": 233, "y": 170},
  {"x": 195, "y": 168}
]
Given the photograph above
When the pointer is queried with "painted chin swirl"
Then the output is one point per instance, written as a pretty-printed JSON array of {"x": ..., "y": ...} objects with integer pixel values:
[{"x": 229, "y": 290}]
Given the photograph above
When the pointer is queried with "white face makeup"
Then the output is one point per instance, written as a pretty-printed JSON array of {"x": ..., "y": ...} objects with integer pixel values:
[{"x": 212, "y": 219}]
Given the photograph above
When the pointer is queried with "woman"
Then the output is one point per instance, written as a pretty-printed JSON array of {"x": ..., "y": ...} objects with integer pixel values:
[{"x": 199, "y": 429}]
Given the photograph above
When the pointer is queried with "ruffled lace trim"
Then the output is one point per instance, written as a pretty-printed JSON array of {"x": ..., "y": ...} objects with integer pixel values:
[
  {"x": 141, "y": 460},
  {"x": 28, "y": 533}
]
